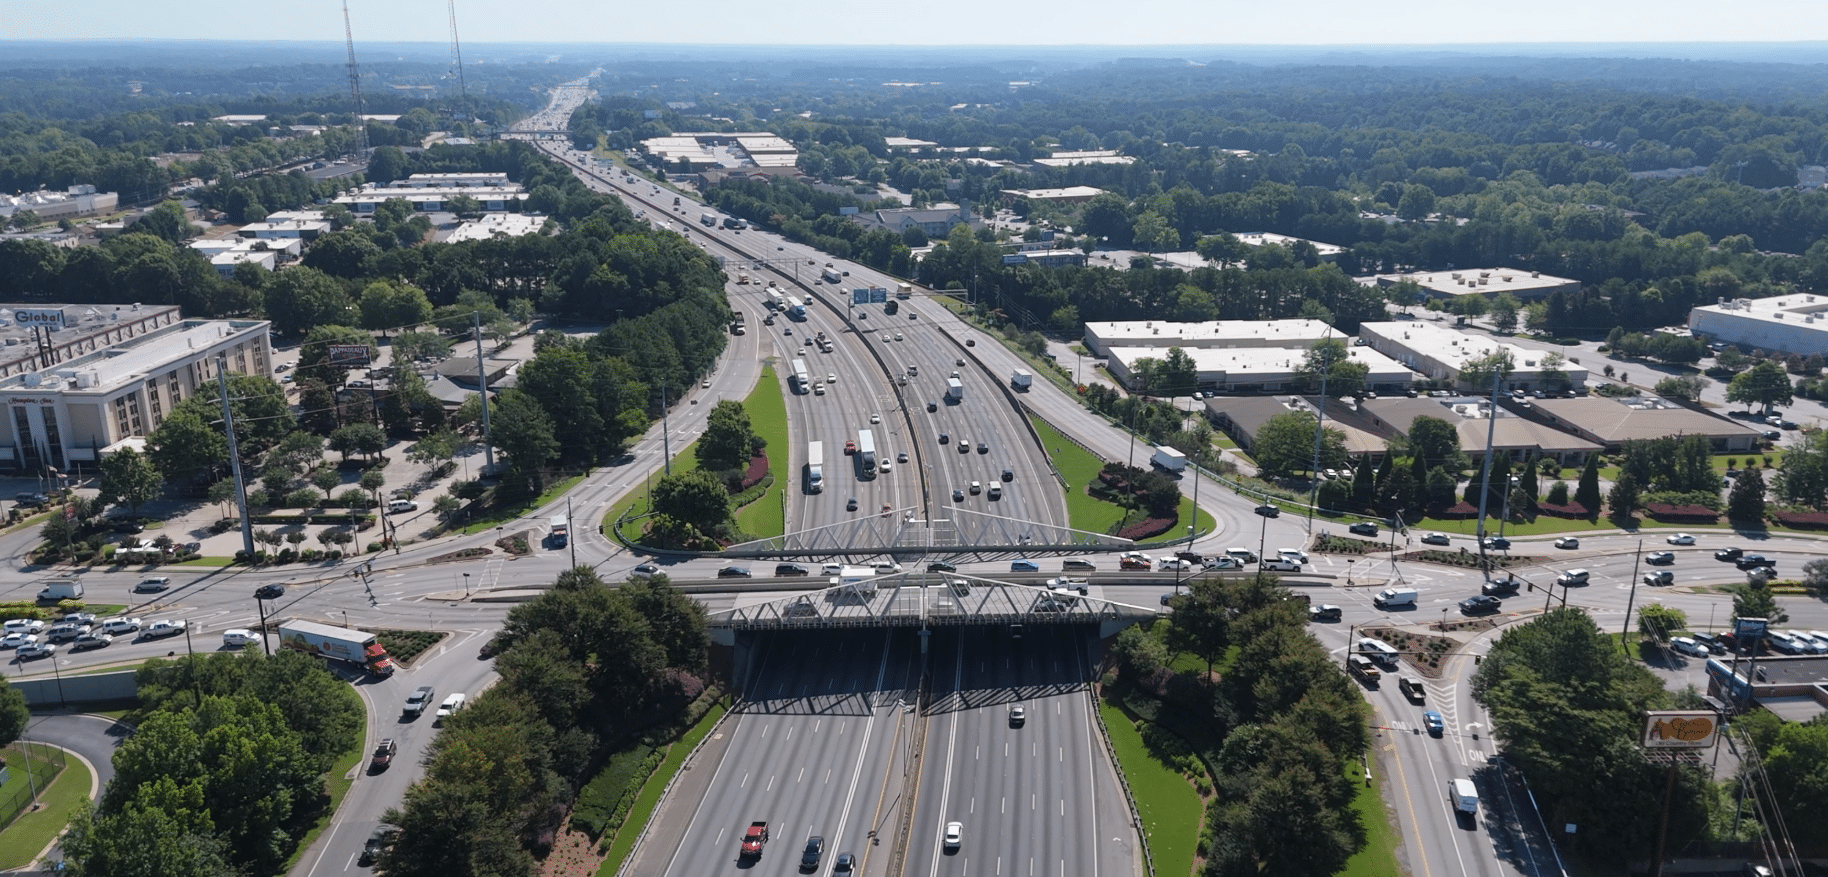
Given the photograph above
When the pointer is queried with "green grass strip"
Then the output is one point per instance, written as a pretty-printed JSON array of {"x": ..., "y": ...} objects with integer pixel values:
[
  {"x": 643, "y": 809},
  {"x": 767, "y": 408},
  {"x": 21, "y": 841},
  {"x": 1377, "y": 858},
  {"x": 635, "y": 501},
  {"x": 1086, "y": 512},
  {"x": 1170, "y": 808},
  {"x": 503, "y": 514}
]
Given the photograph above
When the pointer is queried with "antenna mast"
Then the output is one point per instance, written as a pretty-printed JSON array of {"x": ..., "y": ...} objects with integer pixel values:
[
  {"x": 355, "y": 89},
  {"x": 463, "y": 88}
]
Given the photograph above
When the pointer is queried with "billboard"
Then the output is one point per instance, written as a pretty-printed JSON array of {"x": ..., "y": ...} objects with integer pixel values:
[
  {"x": 32, "y": 318},
  {"x": 1749, "y": 630},
  {"x": 346, "y": 354},
  {"x": 1680, "y": 729}
]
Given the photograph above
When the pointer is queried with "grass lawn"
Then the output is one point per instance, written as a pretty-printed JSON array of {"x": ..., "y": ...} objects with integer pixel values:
[
  {"x": 1377, "y": 858},
  {"x": 635, "y": 502},
  {"x": 33, "y": 830},
  {"x": 337, "y": 783},
  {"x": 503, "y": 514},
  {"x": 1171, "y": 810},
  {"x": 767, "y": 408},
  {"x": 1086, "y": 512},
  {"x": 649, "y": 798}
]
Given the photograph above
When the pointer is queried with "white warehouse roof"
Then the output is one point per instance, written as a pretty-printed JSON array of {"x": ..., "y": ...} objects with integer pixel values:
[
  {"x": 1102, "y": 336},
  {"x": 1795, "y": 323}
]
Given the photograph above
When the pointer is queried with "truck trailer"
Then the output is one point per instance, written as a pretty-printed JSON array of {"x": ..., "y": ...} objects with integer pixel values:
[
  {"x": 815, "y": 467},
  {"x": 1168, "y": 458},
  {"x": 708, "y": 219},
  {"x": 954, "y": 390},
  {"x": 866, "y": 452},
  {"x": 353, "y": 647},
  {"x": 801, "y": 382},
  {"x": 1022, "y": 379}
]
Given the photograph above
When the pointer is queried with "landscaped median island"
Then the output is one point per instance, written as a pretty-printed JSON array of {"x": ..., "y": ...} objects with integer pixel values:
[{"x": 1115, "y": 499}]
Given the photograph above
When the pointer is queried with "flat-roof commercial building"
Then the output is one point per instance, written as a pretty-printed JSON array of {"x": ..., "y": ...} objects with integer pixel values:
[
  {"x": 1067, "y": 195},
  {"x": 110, "y": 378},
  {"x": 1473, "y": 419},
  {"x": 467, "y": 180},
  {"x": 50, "y": 206},
  {"x": 429, "y": 200},
  {"x": 1524, "y": 285},
  {"x": 1241, "y": 416},
  {"x": 285, "y": 228},
  {"x": 1328, "y": 252},
  {"x": 1259, "y": 369},
  {"x": 1101, "y": 337},
  {"x": 1088, "y": 156},
  {"x": 1612, "y": 422},
  {"x": 1439, "y": 353},
  {"x": 1796, "y": 323},
  {"x": 495, "y": 225},
  {"x": 226, "y": 263},
  {"x": 695, "y": 151}
]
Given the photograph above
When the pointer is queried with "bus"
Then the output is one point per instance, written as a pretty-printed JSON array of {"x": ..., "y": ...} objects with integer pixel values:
[
  {"x": 831, "y": 275},
  {"x": 801, "y": 383},
  {"x": 866, "y": 453}
]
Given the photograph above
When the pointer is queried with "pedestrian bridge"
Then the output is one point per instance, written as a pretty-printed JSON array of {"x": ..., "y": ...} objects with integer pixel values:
[{"x": 911, "y": 599}]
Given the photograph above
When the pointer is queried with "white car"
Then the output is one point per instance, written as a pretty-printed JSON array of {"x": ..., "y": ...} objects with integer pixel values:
[
  {"x": 1567, "y": 542},
  {"x": 1689, "y": 647},
  {"x": 875, "y": 418},
  {"x": 885, "y": 467},
  {"x": 831, "y": 377},
  {"x": 1681, "y": 539},
  {"x": 402, "y": 505},
  {"x": 1434, "y": 539},
  {"x": 1174, "y": 564},
  {"x": 118, "y": 626},
  {"x": 23, "y": 625},
  {"x": 955, "y": 834},
  {"x": 15, "y": 640},
  {"x": 36, "y": 650}
]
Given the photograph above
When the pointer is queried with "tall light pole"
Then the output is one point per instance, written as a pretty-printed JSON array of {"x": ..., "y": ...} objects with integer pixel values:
[
  {"x": 466, "y": 586},
  {"x": 1485, "y": 477},
  {"x": 1326, "y": 353}
]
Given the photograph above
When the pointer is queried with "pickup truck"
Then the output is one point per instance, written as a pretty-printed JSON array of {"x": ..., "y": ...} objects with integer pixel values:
[{"x": 754, "y": 839}]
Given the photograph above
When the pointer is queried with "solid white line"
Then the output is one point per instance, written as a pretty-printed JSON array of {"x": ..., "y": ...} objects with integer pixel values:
[
  {"x": 945, "y": 793},
  {"x": 844, "y": 815}
]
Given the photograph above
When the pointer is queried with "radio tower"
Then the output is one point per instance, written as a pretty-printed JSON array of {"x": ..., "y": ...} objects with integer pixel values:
[
  {"x": 355, "y": 89},
  {"x": 461, "y": 112}
]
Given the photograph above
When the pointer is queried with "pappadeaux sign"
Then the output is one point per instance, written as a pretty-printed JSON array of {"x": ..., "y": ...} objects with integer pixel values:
[{"x": 49, "y": 318}]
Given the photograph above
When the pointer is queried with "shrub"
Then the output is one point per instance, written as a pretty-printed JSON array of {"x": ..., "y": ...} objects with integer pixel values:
[
  {"x": 1146, "y": 528},
  {"x": 1558, "y": 493},
  {"x": 303, "y": 498},
  {"x": 1801, "y": 520}
]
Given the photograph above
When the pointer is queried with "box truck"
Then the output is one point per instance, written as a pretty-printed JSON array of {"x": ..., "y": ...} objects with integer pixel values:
[
  {"x": 1390, "y": 598},
  {"x": 561, "y": 530},
  {"x": 354, "y": 647},
  {"x": 61, "y": 588},
  {"x": 1169, "y": 459},
  {"x": 708, "y": 218},
  {"x": 954, "y": 390},
  {"x": 815, "y": 467},
  {"x": 903, "y": 290},
  {"x": 1465, "y": 796},
  {"x": 1022, "y": 379}
]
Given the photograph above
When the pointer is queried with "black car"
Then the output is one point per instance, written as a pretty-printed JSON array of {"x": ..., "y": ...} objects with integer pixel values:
[
  {"x": 1363, "y": 528},
  {"x": 1728, "y": 554},
  {"x": 734, "y": 572},
  {"x": 1480, "y": 604},
  {"x": 270, "y": 592},
  {"x": 1754, "y": 561},
  {"x": 33, "y": 500},
  {"x": 1269, "y": 511},
  {"x": 790, "y": 569},
  {"x": 1714, "y": 643},
  {"x": 1324, "y": 612},
  {"x": 1497, "y": 543},
  {"x": 1499, "y": 587},
  {"x": 941, "y": 566},
  {"x": 127, "y": 525},
  {"x": 932, "y": 406},
  {"x": 1009, "y": 475},
  {"x": 815, "y": 847},
  {"x": 851, "y": 506}
]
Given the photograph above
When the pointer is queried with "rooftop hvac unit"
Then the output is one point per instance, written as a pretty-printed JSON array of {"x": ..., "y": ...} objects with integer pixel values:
[
  {"x": 1778, "y": 315},
  {"x": 32, "y": 379},
  {"x": 85, "y": 380},
  {"x": 1508, "y": 278},
  {"x": 1484, "y": 274},
  {"x": 1485, "y": 281}
]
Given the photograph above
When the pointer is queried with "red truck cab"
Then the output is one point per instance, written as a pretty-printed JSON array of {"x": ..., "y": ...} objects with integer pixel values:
[{"x": 753, "y": 839}]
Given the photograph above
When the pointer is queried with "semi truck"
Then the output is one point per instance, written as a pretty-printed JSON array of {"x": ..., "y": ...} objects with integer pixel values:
[
  {"x": 815, "y": 467},
  {"x": 733, "y": 222},
  {"x": 831, "y": 275},
  {"x": 353, "y": 647},
  {"x": 801, "y": 383},
  {"x": 1168, "y": 458},
  {"x": 708, "y": 219},
  {"x": 954, "y": 390},
  {"x": 561, "y": 530},
  {"x": 796, "y": 309},
  {"x": 754, "y": 839},
  {"x": 1022, "y": 379},
  {"x": 866, "y": 452},
  {"x": 775, "y": 299}
]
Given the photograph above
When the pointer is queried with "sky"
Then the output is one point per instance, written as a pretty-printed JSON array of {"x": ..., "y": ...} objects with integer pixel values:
[{"x": 932, "y": 22}]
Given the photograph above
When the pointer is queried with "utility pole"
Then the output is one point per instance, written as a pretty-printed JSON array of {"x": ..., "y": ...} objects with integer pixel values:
[
  {"x": 482, "y": 379},
  {"x": 1625, "y": 633},
  {"x": 241, "y": 488},
  {"x": 666, "y": 429},
  {"x": 1326, "y": 354},
  {"x": 1485, "y": 477},
  {"x": 571, "y": 539}
]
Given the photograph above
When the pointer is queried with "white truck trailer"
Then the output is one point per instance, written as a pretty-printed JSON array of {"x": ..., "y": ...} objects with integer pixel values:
[{"x": 815, "y": 467}]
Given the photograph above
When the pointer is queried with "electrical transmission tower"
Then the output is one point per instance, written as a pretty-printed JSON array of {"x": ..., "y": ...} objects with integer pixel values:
[
  {"x": 355, "y": 89},
  {"x": 461, "y": 112}
]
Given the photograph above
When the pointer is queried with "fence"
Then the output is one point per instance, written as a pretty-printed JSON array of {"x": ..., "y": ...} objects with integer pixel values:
[{"x": 43, "y": 763}]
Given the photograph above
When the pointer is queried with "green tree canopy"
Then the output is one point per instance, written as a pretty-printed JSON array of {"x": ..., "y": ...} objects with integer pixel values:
[
  {"x": 301, "y": 298},
  {"x": 130, "y": 478},
  {"x": 1285, "y": 445},
  {"x": 1764, "y": 385},
  {"x": 1344, "y": 377}
]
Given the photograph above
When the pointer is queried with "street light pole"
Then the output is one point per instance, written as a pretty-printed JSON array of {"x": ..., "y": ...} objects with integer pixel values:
[{"x": 466, "y": 586}]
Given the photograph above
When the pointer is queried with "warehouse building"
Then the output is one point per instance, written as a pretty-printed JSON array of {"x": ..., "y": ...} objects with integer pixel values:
[
  {"x": 1240, "y": 417},
  {"x": 1795, "y": 323},
  {"x": 1439, "y": 353},
  {"x": 1612, "y": 422},
  {"x": 1524, "y": 285},
  {"x": 1328, "y": 252},
  {"x": 1245, "y": 370},
  {"x": 1101, "y": 337},
  {"x": 1473, "y": 420}
]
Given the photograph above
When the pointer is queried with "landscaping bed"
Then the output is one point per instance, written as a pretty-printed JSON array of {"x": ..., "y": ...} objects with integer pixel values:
[
  {"x": 405, "y": 645},
  {"x": 1426, "y": 654},
  {"x": 464, "y": 554},
  {"x": 1331, "y": 544},
  {"x": 517, "y": 544},
  {"x": 1468, "y": 559}
]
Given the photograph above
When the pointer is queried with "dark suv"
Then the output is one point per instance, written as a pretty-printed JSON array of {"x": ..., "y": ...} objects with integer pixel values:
[
  {"x": 1499, "y": 587},
  {"x": 790, "y": 569},
  {"x": 1754, "y": 561},
  {"x": 815, "y": 847}
]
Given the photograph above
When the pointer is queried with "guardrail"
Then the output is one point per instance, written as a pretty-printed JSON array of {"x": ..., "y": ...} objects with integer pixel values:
[
  {"x": 1129, "y": 796},
  {"x": 668, "y": 790}
]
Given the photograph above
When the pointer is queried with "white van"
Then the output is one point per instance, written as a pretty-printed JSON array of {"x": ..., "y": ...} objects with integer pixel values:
[
  {"x": 239, "y": 637},
  {"x": 1572, "y": 577},
  {"x": 1392, "y": 597},
  {"x": 452, "y": 705},
  {"x": 1244, "y": 555},
  {"x": 831, "y": 569},
  {"x": 1465, "y": 796}
]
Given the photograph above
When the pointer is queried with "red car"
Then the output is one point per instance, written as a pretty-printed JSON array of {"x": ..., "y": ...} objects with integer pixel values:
[
  {"x": 850, "y": 447},
  {"x": 1134, "y": 563},
  {"x": 383, "y": 755}
]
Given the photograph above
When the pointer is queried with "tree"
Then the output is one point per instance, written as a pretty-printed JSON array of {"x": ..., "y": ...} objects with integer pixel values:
[
  {"x": 301, "y": 298},
  {"x": 1815, "y": 575},
  {"x": 1764, "y": 384},
  {"x": 1504, "y": 309},
  {"x": 358, "y": 438},
  {"x": 1755, "y": 600},
  {"x": 523, "y": 432},
  {"x": 129, "y": 477},
  {"x": 696, "y": 496},
  {"x": 14, "y": 714},
  {"x": 1477, "y": 373},
  {"x": 1436, "y": 442},
  {"x": 1177, "y": 374},
  {"x": 1660, "y": 622},
  {"x": 187, "y": 443},
  {"x": 1802, "y": 477},
  {"x": 1285, "y": 445},
  {"x": 1201, "y": 618},
  {"x": 1623, "y": 500},
  {"x": 728, "y": 440},
  {"x": 389, "y": 305},
  {"x": 1331, "y": 356},
  {"x": 386, "y": 164},
  {"x": 1587, "y": 492},
  {"x": 1682, "y": 387},
  {"x": 1746, "y": 501},
  {"x": 1417, "y": 202},
  {"x": 167, "y": 221}
]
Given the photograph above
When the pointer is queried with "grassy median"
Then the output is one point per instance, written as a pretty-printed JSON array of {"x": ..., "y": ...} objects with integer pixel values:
[
  {"x": 649, "y": 797},
  {"x": 1086, "y": 512},
  {"x": 767, "y": 408},
  {"x": 1170, "y": 808}
]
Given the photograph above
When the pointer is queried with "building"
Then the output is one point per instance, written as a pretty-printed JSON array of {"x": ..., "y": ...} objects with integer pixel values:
[
  {"x": 1796, "y": 323},
  {"x": 1045, "y": 254},
  {"x": 494, "y": 225},
  {"x": 1259, "y": 369},
  {"x": 936, "y": 222},
  {"x": 1524, "y": 285},
  {"x": 1090, "y": 156},
  {"x": 1439, "y": 353},
  {"x": 428, "y": 199},
  {"x": 1241, "y": 416},
  {"x": 691, "y": 152},
  {"x": 1068, "y": 195},
  {"x": 1328, "y": 252},
  {"x": 1100, "y": 337},
  {"x": 716, "y": 176},
  {"x": 307, "y": 230},
  {"x": 51, "y": 206},
  {"x": 1473, "y": 419},
  {"x": 109, "y": 377},
  {"x": 226, "y": 263},
  {"x": 472, "y": 180},
  {"x": 907, "y": 143},
  {"x": 1612, "y": 422}
]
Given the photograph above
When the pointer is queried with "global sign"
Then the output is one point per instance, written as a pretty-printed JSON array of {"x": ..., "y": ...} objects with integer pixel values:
[{"x": 49, "y": 318}]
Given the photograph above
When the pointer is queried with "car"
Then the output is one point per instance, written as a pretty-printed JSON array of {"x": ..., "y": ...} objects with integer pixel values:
[
  {"x": 17, "y": 639},
  {"x": 164, "y": 628},
  {"x": 645, "y": 570},
  {"x": 78, "y": 618},
  {"x": 818, "y": 389},
  {"x": 983, "y": 448},
  {"x": 1269, "y": 510},
  {"x": 844, "y": 864},
  {"x": 1681, "y": 539},
  {"x": 1773, "y": 434},
  {"x": 1480, "y": 604},
  {"x": 944, "y": 438},
  {"x": 786, "y": 331},
  {"x": 1660, "y": 558},
  {"x": 1434, "y": 539},
  {"x": 850, "y": 505},
  {"x": 1174, "y": 564},
  {"x": 127, "y": 525},
  {"x": 1363, "y": 528},
  {"x": 270, "y": 592},
  {"x": 875, "y": 418},
  {"x": 1324, "y": 612},
  {"x": 1497, "y": 543},
  {"x": 92, "y": 641},
  {"x": 960, "y": 362},
  {"x": 1024, "y": 566},
  {"x": 976, "y": 488},
  {"x": 831, "y": 377},
  {"x": 1017, "y": 716},
  {"x": 790, "y": 569},
  {"x": 897, "y": 336},
  {"x": 402, "y": 505},
  {"x": 941, "y": 566},
  {"x": 1075, "y": 563},
  {"x": 815, "y": 847},
  {"x": 850, "y": 447},
  {"x": 418, "y": 701},
  {"x": 1432, "y": 721},
  {"x": 958, "y": 495},
  {"x": 1659, "y": 577},
  {"x": 1132, "y": 563},
  {"x": 1728, "y": 554},
  {"x": 152, "y": 584},
  {"x": 1330, "y": 474},
  {"x": 32, "y": 500},
  {"x": 955, "y": 835},
  {"x": 901, "y": 457},
  {"x": 885, "y": 467},
  {"x": 932, "y": 406},
  {"x": 1499, "y": 587},
  {"x": 118, "y": 626},
  {"x": 1567, "y": 542},
  {"x": 734, "y": 572},
  {"x": 30, "y": 651},
  {"x": 1211, "y": 564},
  {"x": 964, "y": 446},
  {"x": 23, "y": 625},
  {"x": 1754, "y": 561},
  {"x": 1009, "y": 475},
  {"x": 383, "y": 755},
  {"x": 996, "y": 491},
  {"x": 65, "y": 631}
]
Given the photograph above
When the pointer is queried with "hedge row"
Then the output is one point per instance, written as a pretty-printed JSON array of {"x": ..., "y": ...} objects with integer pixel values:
[
  {"x": 754, "y": 492},
  {"x": 603, "y": 803},
  {"x": 363, "y": 522},
  {"x": 405, "y": 645}
]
